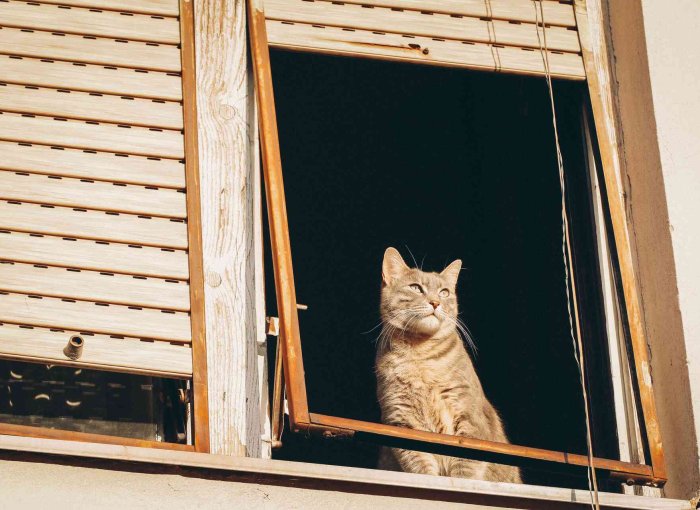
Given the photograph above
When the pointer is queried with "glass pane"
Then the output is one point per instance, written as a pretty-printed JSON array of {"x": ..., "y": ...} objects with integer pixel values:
[{"x": 92, "y": 401}]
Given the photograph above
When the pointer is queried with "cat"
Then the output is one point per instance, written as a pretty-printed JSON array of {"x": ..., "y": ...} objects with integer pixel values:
[{"x": 425, "y": 377}]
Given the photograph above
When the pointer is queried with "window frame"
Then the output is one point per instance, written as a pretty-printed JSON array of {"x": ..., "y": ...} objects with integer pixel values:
[
  {"x": 594, "y": 51},
  {"x": 199, "y": 400}
]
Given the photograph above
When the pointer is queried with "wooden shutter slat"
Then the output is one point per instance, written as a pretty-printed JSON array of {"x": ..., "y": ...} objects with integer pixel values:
[
  {"x": 92, "y": 195},
  {"x": 394, "y": 47},
  {"x": 93, "y": 211},
  {"x": 92, "y": 165},
  {"x": 97, "y": 225},
  {"x": 555, "y": 13},
  {"x": 92, "y": 317},
  {"x": 93, "y": 286},
  {"x": 98, "y": 50},
  {"x": 83, "y": 105},
  {"x": 79, "y": 20},
  {"x": 99, "y": 352},
  {"x": 159, "y": 7},
  {"x": 101, "y": 137},
  {"x": 90, "y": 78},
  {"x": 83, "y": 254},
  {"x": 416, "y": 23}
]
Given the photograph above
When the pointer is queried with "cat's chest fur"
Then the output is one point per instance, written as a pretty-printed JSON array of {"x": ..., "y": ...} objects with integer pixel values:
[{"x": 438, "y": 382}]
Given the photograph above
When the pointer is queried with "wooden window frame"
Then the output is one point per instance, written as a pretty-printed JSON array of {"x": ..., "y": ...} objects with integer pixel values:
[
  {"x": 200, "y": 411},
  {"x": 589, "y": 18}
]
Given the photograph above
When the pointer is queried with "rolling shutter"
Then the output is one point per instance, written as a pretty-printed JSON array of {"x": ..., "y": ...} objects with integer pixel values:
[
  {"x": 97, "y": 187},
  {"x": 496, "y": 35}
]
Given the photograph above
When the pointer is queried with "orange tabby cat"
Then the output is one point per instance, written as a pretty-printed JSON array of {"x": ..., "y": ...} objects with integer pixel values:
[{"x": 425, "y": 378}]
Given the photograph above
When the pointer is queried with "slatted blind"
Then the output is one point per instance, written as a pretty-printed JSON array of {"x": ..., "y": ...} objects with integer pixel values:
[
  {"x": 93, "y": 206},
  {"x": 497, "y": 35}
]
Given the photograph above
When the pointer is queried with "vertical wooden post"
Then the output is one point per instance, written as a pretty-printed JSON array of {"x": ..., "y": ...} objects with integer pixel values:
[
  {"x": 194, "y": 237},
  {"x": 231, "y": 232}
]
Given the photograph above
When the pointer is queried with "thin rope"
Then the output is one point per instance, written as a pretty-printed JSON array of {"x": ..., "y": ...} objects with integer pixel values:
[
  {"x": 492, "y": 36},
  {"x": 566, "y": 253}
]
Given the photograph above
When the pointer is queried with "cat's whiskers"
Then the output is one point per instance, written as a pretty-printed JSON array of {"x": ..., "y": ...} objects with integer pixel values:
[
  {"x": 461, "y": 329},
  {"x": 388, "y": 329},
  {"x": 381, "y": 321},
  {"x": 416, "y": 317}
]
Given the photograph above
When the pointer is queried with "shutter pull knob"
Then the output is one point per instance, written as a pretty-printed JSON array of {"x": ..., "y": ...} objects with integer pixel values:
[{"x": 74, "y": 349}]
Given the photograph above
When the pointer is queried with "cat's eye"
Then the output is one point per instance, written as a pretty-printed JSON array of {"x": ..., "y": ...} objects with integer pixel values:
[
  {"x": 444, "y": 293},
  {"x": 416, "y": 288}
]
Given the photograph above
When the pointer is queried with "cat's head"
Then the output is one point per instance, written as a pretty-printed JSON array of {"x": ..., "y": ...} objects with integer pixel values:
[{"x": 418, "y": 303}]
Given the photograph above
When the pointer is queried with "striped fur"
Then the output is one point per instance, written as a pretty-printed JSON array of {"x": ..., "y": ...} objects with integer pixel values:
[{"x": 425, "y": 377}]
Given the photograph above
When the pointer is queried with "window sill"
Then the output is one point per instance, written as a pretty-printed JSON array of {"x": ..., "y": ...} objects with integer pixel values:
[{"x": 337, "y": 478}]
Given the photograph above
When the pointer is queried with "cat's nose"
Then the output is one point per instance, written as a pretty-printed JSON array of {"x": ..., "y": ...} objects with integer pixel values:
[{"x": 434, "y": 304}]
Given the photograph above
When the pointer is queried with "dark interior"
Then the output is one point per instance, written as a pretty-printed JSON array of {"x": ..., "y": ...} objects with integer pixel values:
[
  {"x": 91, "y": 401},
  {"x": 441, "y": 164}
]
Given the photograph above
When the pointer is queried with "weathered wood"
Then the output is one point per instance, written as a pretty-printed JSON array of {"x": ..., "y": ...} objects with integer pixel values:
[
  {"x": 90, "y": 78},
  {"x": 90, "y": 106},
  {"x": 97, "y": 225},
  {"x": 79, "y": 20},
  {"x": 100, "y": 352},
  {"x": 94, "y": 286},
  {"x": 480, "y": 449},
  {"x": 98, "y": 50},
  {"x": 95, "y": 255},
  {"x": 424, "y": 50},
  {"x": 105, "y": 196},
  {"x": 555, "y": 13},
  {"x": 88, "y": 316},
  {"x": 277, "y": 220},
  {"x": 200, "y": 405},
  {"x": 160, "y": 7},
  {"x": 84, "y": 135},
  {"x": 101, "y": 166},
  {"x": 416, "y": 23},
  {"x": 230, "y": 216},
  {"x": 589, "y": 16}
]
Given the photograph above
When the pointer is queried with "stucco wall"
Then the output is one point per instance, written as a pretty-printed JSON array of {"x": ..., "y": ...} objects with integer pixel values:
[
  {"x": 673, "y": 55},
  {"x": 657, "y": 67},
  {"x": 673, "y": 52},
  {"x": 29, "y": 485}
]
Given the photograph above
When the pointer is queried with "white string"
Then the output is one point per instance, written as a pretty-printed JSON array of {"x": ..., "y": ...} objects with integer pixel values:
[{"x": 592, "y": 479}]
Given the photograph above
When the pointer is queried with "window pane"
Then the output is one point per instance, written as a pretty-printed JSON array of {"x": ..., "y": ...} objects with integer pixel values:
[{"x": 92, "y": 401}]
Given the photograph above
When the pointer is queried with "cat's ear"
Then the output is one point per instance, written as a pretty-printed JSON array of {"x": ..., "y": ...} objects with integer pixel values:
[
  {"x": 393, "y": 265},
  {"x": 451, "y": 272}
]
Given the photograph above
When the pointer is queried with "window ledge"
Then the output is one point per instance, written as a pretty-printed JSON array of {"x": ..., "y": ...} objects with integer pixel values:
[{"x": 340, "y": 478}]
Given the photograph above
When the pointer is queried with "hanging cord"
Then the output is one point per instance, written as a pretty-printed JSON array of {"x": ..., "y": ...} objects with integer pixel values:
[
  {"x": 566, "y": 253},
  {"x": 492, "y": 36}
]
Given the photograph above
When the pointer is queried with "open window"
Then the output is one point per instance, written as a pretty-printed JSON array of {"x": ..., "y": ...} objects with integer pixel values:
[
  {"x": 484, "y": 180},
  {"x": 101, "y": 293}
]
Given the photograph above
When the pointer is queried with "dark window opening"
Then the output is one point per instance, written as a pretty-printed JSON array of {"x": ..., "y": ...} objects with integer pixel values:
[
  {"x": 441, "y": 164},
  {"x": 92, "y": 401}
]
